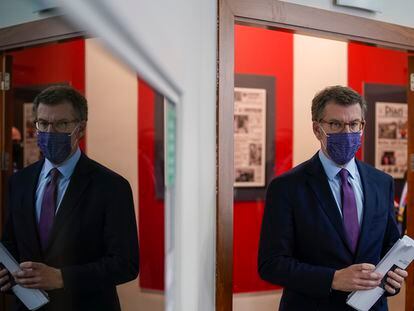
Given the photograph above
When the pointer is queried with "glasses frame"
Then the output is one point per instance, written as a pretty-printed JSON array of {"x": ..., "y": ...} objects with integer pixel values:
[
  {"x": 36, "y": 124},
  {"x": 344, "y": 124}
]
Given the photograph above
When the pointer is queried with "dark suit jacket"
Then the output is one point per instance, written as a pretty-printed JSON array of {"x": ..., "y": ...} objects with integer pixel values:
[
  {"x": 303, "y": 241},
  {"x": 93, "y": 240}
]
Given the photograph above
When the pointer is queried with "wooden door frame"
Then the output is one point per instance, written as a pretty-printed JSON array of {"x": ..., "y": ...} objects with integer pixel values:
[
  {"x": 298, "y": 19},
  {"x": 5, "y": 134},
  {"x": 46, "y": 30},
  {"x": 410, "y": 177}
]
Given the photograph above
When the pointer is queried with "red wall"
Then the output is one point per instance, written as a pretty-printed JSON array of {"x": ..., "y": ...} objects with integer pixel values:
[
  {"x": 151, "y": 209},
  {"x": 262, "y": 52},
  {"x": 369, "y": 64},
  {"x": 51, "y": 63}
]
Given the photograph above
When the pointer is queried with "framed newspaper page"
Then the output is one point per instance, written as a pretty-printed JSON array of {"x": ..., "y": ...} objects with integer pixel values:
[
  {"x": 253, "y": 124},
  {"x": 249, "y": 137},
  {"x": 385, "y": 134},
  {"x": 391, "y": 127}
]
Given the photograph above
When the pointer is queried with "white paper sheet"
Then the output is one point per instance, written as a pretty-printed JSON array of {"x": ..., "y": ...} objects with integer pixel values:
[
  {"x": 399, "y": 256},
  {"x": 33, "y": 299}
]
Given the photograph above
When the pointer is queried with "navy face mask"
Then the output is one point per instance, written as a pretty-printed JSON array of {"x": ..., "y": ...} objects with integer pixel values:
[
  {"x": 56, "y": 147},
  {"x": 341, "y": 147}
]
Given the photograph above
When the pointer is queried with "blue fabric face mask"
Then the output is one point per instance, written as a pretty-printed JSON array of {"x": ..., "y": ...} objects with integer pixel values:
[
  {"x": 56, "y": 147},
  {"x": 342, "y": 147}
]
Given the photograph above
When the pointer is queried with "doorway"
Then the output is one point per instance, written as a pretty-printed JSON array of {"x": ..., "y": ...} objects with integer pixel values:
[{"x": 285, "y": 17}]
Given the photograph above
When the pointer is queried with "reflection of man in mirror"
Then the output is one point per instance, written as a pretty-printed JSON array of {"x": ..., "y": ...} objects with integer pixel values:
[{"x": 71, "y": 222}]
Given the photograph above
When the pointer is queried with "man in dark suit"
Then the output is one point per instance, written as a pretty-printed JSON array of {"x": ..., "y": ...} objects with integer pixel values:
[
  {"x": 71, "y": 222},
  {"x": 328, "y": 221}
]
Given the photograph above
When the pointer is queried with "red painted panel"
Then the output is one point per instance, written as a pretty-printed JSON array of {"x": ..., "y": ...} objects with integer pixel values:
[
  {"x": 369, "y": 64},
  {"x": 150, "y": 209},
  {"x": 262, "y": 52},
  {"x": 51, "y": 63}
]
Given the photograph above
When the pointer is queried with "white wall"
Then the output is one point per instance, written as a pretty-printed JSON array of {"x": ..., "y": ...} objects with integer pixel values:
[
  {"x": 173, "y": 46},
  {"x": 317, "y": 64},
  {"x": 398, "y": 12},
  {"x": 112, "y": 93}
]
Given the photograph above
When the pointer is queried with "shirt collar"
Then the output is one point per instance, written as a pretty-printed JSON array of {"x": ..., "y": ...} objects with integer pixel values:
[
  {"x": 66, "y": 168},
  {"x": 332, "y": 169}
]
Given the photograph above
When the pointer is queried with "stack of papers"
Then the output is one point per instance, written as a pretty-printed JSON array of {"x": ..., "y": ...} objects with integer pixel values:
[
  {"x": 399, "y": 256},
  {"x": 33, "y": 299}
]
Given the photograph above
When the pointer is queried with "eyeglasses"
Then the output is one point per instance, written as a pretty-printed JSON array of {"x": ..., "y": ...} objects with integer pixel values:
[
  {"x": 338, "y": 126},
  {"x": 62, "y": 126}
]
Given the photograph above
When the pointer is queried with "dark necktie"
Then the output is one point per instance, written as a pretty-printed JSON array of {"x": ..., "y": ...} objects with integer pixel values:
[
  {"x": 349, "y": 210},
  {"x": 48, "y": 210}
]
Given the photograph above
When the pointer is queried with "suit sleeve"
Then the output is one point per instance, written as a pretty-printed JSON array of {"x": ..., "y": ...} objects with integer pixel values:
[
  {"x": 120, "y": 262},
  {"x": 276, "y": 261}
]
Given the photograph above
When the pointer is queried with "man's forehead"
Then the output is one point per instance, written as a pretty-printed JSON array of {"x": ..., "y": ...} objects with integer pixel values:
[
  {"x": 63, "y": 109},
  {"x": 333, "y": 110}
]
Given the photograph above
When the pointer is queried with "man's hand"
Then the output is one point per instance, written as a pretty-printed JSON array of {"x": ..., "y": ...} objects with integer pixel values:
[
  {"x": 4, "y": 280},
  {"x": 356, "y": 277},
  {"x": 38, "y": 275},
  {"x": 395, "y": 280}
]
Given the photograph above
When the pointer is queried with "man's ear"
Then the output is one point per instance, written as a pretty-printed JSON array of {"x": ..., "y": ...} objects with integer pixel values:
[
  {"x": 82, "y": 129},
  {"x": 317, "y": 130}
]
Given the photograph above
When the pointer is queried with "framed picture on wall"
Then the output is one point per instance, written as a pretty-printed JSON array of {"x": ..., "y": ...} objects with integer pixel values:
[
  {"x": 249, "y": 137},
  {"x": 385, "y": 134},
  {"x": 391, "y": 127},
  {"x": 253, "y": 124}
]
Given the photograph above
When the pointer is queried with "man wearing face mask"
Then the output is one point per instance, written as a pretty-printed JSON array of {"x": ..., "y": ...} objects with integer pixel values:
[
  {"x": 71, "y": 222},
  {"x": 330, "y": 220}
]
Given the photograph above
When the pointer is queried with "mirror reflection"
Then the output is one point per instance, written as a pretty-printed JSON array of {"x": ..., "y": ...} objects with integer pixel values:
[{"x": 100, "y": 212}]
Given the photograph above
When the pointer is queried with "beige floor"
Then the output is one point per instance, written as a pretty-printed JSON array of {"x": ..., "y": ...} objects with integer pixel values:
[{"x": 269, "y": 301}]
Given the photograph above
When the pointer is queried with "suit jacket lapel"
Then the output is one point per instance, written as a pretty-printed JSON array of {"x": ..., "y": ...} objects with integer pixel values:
[
  {"x": 77, "y": 185},
  {"x": 319, "y": 183},
  {"x": 29, "y": 210},
  {"x": 370, "y": 202}
]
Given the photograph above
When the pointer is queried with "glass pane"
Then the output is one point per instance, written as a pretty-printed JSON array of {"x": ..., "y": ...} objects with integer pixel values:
[{"x": 130, "y": 130}]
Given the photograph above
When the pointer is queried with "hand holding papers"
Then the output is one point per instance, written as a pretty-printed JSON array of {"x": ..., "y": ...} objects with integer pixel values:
[
  {"x": 33, "y": 299},
  {"x": 399, "y": 256}
]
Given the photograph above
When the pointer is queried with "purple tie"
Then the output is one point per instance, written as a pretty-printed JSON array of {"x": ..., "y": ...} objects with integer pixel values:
[
  {"x": 47, "y": 213},
  {"x": 349, "y": 210}
]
